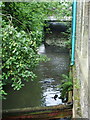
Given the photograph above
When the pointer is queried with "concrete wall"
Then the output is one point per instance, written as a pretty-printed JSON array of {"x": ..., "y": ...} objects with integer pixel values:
[
  {"x": 89, "y": 67},
  {"x": 82, "y": 66}
]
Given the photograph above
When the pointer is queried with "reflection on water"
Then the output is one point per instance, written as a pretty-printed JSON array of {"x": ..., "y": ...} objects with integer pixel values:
[
  {"x": 51, "y": 74},
  {"x": 42, "y": 90},
  {"x": 48, "y": 96},
  {"x": 41, "y": 49}
]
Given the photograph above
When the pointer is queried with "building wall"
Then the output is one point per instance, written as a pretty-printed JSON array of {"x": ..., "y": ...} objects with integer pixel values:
[{"x": 81, "y": 69}]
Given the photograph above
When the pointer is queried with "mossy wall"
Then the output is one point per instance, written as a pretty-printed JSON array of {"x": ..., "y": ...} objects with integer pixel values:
[{"x": 59, "y": 34}]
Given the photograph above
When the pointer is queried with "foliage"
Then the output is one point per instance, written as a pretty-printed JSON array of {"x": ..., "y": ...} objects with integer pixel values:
[
  {"x": 67, "y": 35},
  {"x": 66, "y": 86},
  {"x": 19, "y": 56},
  {"x": 22, "y": 30},
  {"x": 2, "y": 92},
  {"x": 34, "y": 13}
]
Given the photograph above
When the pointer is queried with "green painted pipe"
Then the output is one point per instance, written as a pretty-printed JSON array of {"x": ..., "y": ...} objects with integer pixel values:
[{"x": 74, "y": 11}]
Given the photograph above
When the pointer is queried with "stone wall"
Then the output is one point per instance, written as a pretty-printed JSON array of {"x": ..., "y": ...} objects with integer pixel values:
[
  {"x": 56, "y": 39},
  {"x": 81, "y": 70},
  {"x": 59, "y": 34}
]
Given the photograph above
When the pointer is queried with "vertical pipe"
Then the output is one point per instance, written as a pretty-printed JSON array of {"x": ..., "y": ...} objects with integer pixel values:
[{"x": 74, "y": 10}]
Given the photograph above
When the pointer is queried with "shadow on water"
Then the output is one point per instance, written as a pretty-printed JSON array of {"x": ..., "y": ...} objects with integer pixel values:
[{"x": 41, "y": 91}]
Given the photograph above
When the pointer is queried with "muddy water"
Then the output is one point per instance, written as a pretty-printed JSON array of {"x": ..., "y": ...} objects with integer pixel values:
[{"x": 42, "y": 90}]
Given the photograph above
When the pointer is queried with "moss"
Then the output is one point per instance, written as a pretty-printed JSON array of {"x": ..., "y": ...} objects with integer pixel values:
[{"x": 76, "y": 94}]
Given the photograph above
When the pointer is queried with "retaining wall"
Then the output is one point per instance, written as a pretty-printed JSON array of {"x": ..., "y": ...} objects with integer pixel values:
[{"x": 81, "y": 70}]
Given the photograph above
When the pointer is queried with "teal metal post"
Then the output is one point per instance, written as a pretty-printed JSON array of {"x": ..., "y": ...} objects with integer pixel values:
[{"x": 74, "y": 10}]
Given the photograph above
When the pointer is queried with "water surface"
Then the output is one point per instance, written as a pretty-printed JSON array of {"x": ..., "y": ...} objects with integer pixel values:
[{"x": 42, "y": 90}]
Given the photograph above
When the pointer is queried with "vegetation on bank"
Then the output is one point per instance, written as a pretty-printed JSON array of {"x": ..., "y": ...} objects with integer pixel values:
[
  {"x": 66, "y": 86},
  {"x": 22, "y": 34}
]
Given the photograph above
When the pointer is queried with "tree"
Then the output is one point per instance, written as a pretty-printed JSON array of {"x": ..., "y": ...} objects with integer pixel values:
[{"x": 22, "y": 30}]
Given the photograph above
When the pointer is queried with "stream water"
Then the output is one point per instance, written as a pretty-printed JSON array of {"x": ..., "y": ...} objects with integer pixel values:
[{"x": 42, "y": 90}]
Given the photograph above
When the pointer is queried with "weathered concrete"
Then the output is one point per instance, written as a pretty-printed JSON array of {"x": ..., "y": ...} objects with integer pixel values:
[
  {"x": 89, "y": 67},
  {"x": 81, "y": 70}
]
